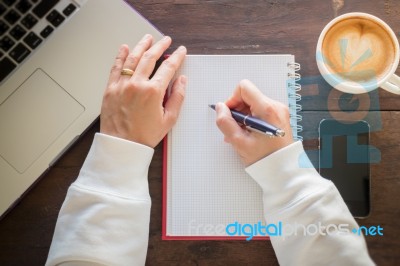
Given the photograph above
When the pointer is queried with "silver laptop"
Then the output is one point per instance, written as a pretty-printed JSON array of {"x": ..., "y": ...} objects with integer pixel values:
[{"x": 55, "y": 58}]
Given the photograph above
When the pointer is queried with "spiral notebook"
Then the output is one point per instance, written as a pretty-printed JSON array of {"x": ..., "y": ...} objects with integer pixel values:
[{"x": 205, "y": 186}]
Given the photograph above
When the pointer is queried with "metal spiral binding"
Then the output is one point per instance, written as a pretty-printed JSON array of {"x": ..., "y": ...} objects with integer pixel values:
[
  {"x": 294, "y": 97},
  {"x": 295, "y": 66}
]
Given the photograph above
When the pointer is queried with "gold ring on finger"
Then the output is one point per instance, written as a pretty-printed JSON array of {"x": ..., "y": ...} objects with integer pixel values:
[{"x": 127, "y": 72}]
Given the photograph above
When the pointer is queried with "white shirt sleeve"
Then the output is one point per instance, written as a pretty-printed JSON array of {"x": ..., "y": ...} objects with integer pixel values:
[
  {"x": 105, "y": 217},
  {"x": 295, "y": 194}
]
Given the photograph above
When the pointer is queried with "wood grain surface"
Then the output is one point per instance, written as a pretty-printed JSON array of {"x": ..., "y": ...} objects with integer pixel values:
[{"x": 236, "y": 27}]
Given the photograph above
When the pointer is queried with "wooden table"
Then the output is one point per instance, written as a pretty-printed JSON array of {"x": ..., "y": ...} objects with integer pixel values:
[{"x": 233, "y": 27}]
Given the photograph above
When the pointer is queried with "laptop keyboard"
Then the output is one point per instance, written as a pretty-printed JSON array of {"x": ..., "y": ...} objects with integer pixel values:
[{"x": 24, "y": 25}]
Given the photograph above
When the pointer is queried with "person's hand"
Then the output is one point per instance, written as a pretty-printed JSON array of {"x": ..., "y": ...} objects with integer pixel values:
[
  {"x": 253, "y": 146},
  {"x": 132, "y": 106}
]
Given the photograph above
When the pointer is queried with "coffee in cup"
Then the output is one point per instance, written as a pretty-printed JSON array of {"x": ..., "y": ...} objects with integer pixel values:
[{"x": 358, "y": 52}]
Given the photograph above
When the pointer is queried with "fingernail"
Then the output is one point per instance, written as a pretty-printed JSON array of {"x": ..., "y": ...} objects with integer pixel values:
[
  {"x": 146, "y": 38},
  {"x": 218, "y": 107},
  {"x": 166, "y": 38},
  {"x": 122, "y": 47},
  {"x": 181, "y": 48},
  {"x": 183, "y": 80}
]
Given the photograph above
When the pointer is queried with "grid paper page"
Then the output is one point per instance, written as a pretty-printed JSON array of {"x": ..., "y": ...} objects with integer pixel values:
[{"x": 207, "y": 187}]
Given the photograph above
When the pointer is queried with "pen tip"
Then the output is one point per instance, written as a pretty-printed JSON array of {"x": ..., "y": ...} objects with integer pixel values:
[{"x": 212, "y": 106}]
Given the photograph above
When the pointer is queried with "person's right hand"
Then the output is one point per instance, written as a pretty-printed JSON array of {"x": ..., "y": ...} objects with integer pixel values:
[{"x": 253, "y": 146}]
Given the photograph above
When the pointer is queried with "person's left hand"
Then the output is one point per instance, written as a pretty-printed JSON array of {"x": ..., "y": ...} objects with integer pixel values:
[{"x": 132, "y": 106}]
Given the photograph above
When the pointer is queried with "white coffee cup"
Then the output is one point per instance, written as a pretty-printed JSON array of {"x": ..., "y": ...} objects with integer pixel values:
[{"x": 357, "y": 53}]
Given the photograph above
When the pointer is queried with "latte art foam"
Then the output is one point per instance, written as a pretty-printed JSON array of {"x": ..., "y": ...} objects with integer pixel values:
[{"x": 358, "y": 49}]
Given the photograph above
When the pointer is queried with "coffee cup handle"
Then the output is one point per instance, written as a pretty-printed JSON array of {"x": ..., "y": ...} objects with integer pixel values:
[{"x": 392, "y": 85}]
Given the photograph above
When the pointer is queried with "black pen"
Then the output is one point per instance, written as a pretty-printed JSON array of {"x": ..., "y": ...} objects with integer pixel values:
[{"x": 255, "y": 124}]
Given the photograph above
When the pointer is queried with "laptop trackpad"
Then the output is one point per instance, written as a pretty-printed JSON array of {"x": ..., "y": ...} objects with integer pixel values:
[{"x": 44, "y": 111}]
